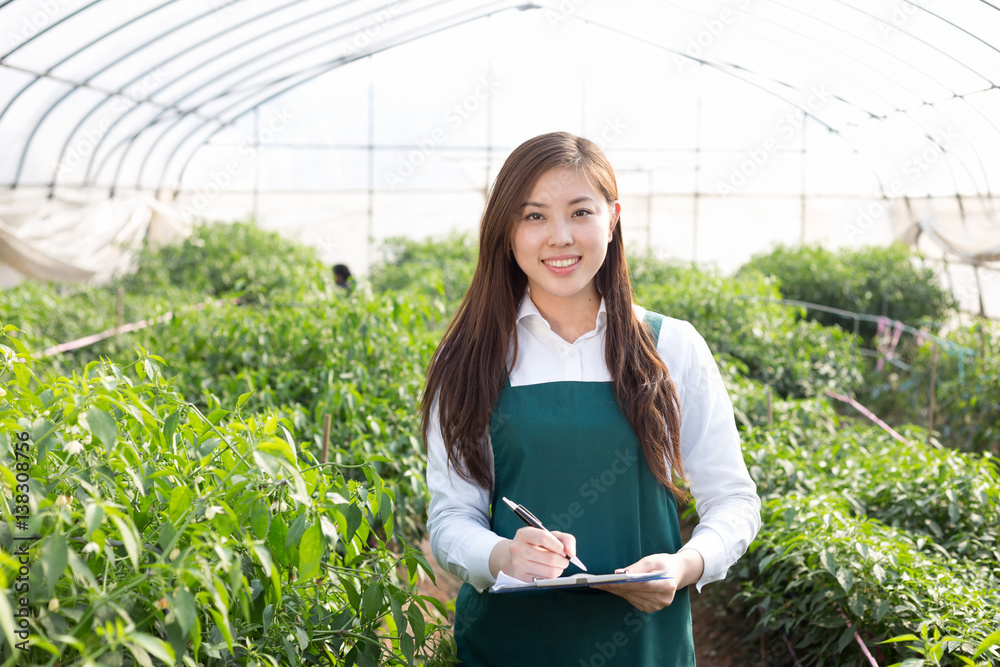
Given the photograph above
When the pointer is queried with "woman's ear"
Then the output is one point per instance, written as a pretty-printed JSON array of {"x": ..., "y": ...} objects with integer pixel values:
[{"x": 616, "y": 211}]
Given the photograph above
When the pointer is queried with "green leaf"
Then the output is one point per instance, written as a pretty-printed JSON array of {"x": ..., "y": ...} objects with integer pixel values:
[
  {"x": 170, "y": 426},
  {"x": 353, "y": 597},
  {"x": 371, "y": 602},
  {"x": 185, "y": 611},
  {"x": 302, "y": 637},
  {"x": 264, "y": 556},
  {"x": 828, "y": 562},
  {"x": 845, "y": 639},
  {"x": 845, "y": 578},
  {"x": 277, "y": 534},
  {"x": 992, "y": 640},
  {"x": 406, "y": 646},
  {"x": 157, "y": 647},
  {"x": 93, "y": 517},
  {"x": 130, "y": 538},
  {"x": 7, "y": 620},
  {"x": 81, "y": 571},
  {"x": 152, "y": 370},
  {"x": 354, "y": 518},
  {"x": 268, "y": 617},
  {"x": 103, "y": 427},
  {"x": 179, "y": 503},
  {"x": 417, "y": 623},
  {"x": 241, "y": 401},
  {"x": 310, "y": 552},
  {"x": 54, "y": 561},
  {"x": 397, "y": 614}
]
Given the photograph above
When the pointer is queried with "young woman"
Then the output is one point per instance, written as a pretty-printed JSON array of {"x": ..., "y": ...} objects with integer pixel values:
[{"x": 551, "y": 388}]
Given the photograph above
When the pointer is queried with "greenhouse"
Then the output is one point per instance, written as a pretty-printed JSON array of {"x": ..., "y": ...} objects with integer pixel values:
[{"x": 241, "y": 243}]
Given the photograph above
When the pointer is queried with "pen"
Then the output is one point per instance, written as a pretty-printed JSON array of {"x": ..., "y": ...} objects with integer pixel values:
[{"x": 522, "y": 512}]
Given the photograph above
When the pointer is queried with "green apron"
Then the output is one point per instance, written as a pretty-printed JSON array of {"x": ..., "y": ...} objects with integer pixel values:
[{"x": 567, "y": 452}]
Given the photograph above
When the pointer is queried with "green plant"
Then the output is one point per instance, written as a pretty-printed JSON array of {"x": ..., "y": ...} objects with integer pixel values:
[
  {"x": 874, "y": 280},
  {"x": 164, "y": 532},
  {"x": 740, "y": 317}
]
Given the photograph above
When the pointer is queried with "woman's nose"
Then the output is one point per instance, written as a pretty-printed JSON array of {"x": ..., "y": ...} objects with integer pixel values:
[{"x": 560, "y": 232}]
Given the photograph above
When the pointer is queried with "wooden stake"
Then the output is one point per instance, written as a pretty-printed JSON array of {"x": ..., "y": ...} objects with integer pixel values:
[
  {"x": 770, "y": 419},
  {"x": 325, "y": 452},
  {"x": 930, "y": 416}
]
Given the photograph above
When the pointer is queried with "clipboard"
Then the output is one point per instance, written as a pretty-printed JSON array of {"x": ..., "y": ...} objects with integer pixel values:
[{"x": 507, "y": 584}]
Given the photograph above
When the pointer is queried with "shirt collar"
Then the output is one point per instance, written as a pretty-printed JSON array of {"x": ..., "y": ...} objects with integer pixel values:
[{"x": 528, "y": 310}]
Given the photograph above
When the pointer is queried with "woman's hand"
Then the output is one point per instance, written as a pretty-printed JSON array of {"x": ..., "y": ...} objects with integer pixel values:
[
  {"x": 685, "y": 566},
  {"x": 533, "y": 553}
]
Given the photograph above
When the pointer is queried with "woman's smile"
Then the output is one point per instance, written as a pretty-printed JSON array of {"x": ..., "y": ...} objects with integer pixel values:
[{"x": 561, "y": 237}]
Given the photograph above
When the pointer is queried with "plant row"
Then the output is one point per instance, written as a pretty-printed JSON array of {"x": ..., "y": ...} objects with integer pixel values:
[{"x": 160, "y": 532}]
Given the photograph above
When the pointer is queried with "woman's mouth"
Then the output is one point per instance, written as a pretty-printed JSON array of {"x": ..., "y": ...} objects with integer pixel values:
[{"x": 561, "y": 263}]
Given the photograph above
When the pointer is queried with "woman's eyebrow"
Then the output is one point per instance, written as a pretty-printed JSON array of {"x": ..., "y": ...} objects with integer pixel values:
[{"x": 575, "y": 200}]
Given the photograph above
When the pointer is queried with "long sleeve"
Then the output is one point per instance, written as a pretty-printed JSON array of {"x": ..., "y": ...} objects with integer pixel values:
[
  {"x": 458, "y": 519},
  {"x": 725, "y": 495}
]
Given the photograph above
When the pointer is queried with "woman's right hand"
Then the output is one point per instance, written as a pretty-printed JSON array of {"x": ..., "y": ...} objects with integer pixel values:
[{"x": 533, "y": 553}]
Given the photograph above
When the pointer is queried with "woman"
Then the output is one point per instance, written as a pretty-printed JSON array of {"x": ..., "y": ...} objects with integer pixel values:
[{"x": 550, "y": 387}]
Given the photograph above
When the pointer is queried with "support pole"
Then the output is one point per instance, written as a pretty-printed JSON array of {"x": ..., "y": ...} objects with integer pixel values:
[
  {"x": 930, "y": 415},
  {"x": 324, "y": 454}
]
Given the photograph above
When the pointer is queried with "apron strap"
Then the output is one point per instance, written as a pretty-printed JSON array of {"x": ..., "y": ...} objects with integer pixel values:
[{"x": 653, "y": 321}]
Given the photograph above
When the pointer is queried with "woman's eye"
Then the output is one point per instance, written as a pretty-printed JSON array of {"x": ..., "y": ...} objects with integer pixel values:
[
  {"x": 533, "y": 216},
  {"x": 581, "y": 212}
]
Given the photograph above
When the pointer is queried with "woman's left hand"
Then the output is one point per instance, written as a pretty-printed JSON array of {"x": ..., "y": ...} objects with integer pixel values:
[{"x": 685, "y": 566}]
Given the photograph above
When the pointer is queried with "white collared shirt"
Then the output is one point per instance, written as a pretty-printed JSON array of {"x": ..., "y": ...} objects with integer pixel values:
[{"x": 458, "y": 519}]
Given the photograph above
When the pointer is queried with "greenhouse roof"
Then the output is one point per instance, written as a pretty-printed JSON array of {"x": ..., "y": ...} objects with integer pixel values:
[
  {"x": 834, "y": 121},
  {"x": 152, "y": 82}
]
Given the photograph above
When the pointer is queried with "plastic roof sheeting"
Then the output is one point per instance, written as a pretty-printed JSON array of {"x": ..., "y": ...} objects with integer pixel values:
[{"x": 121, "y": 93}]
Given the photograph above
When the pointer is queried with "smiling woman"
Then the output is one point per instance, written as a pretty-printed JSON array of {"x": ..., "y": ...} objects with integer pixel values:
[
  {"x": 560, "y": 242},
  {"x": 547, "y": 386}
]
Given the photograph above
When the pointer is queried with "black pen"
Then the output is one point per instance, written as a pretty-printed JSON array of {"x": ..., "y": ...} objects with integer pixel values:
[{"x": 522, "y": 512}]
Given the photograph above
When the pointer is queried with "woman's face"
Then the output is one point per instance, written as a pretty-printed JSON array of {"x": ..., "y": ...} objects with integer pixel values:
[{"x": 561, "y": 235}]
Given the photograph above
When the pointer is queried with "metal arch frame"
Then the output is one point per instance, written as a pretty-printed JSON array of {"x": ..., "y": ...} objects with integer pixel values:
[
  {"x": 128, "y": 83},
  {"x": 323, "y": 69},
  {"x": 854, "y": 148},
  {"x": 45, "y": 29},
  {"x": 931, "y": 105},
  {"x": 174, "y": 104},
  {"x": 993, "y": 85},
  {"x": 38, "y": 124},
  {"x": 962, "y": 97},
  {"x": 847, "y": 55},
  {"x": 936, "y": 16},
  {"x": 221, "y": 95}
]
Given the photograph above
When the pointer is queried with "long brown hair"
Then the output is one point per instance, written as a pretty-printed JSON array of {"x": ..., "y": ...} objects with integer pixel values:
[{"x": 469, "y": 368}]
